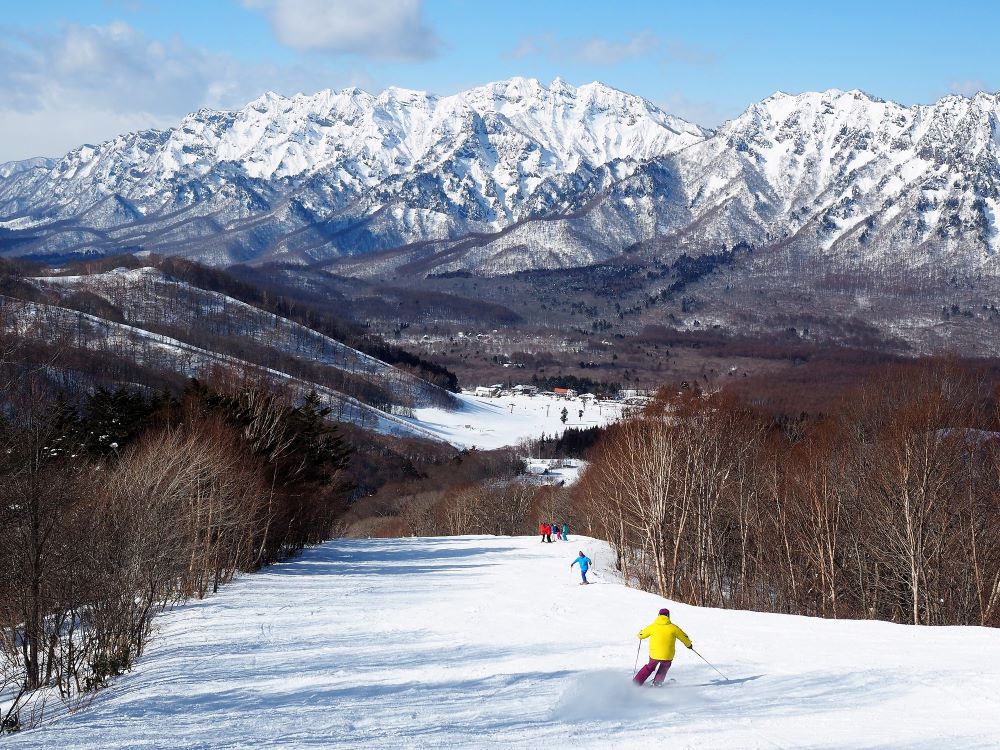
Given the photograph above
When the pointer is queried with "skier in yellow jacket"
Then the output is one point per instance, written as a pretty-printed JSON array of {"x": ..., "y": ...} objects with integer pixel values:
[{"x": 663, "y": 636}]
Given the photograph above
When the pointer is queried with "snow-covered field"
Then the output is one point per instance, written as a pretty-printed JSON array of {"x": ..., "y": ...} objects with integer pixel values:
[
  {"x": 487, "y": 423},
  {"x": 483, "y": 642}
]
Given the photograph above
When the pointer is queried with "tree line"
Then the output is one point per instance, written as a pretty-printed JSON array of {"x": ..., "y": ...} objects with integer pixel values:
[
  {"x": 116, "y": 506},
  {"x": 265, "y": 291},
  {"x": 886, "y": 507}
]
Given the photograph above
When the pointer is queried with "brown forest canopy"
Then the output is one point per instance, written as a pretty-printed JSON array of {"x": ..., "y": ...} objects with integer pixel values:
[{"x": 887, "y": 507}]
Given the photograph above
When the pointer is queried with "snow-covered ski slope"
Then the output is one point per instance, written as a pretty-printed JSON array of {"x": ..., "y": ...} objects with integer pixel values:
[
  {"x": 488, "y": 423},
  {"x": 483, "y": 642}
]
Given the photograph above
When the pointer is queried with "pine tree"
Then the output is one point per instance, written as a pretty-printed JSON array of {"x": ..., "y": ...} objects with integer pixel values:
[
  {"x": 318, "y": 446},
  {"x": 112, "y": 419}
]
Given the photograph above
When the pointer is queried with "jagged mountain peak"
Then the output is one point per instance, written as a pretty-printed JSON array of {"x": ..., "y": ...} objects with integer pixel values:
[
  {"x": 829, "y": 103},
  {"x": 346, "y": 172},
  {"x": 355, "y": 141}
]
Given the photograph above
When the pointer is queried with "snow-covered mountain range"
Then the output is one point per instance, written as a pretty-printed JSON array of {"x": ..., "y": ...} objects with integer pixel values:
[{"x": 516, "y": 175}]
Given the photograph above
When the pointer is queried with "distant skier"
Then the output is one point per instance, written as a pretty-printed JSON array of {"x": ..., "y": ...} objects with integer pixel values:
[
  {"x": 663, "y": 636},
  {"x": 584, "y": 562},
  {"x": 565, "y": 532},
  {"x": 558, "y": 530},
  {"x": 541, "y": 530}
]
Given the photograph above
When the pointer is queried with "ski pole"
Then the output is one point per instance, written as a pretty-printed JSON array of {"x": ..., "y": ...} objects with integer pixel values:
[
  {"x": 635, "y": 667},
  {"x": 710, "y": 664}
]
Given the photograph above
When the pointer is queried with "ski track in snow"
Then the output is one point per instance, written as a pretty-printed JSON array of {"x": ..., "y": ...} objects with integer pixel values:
[{"x": 484, "y": 642}]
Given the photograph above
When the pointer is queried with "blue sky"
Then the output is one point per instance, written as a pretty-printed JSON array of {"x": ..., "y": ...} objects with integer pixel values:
[{"x": 74, "y": 72}]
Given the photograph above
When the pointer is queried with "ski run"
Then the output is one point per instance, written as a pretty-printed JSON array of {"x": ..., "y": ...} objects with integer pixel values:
[{"x": 486, "y": 642}]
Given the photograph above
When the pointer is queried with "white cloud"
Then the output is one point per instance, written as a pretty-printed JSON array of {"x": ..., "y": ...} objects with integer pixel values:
[
  {"x": 708, "y": 114},
  {"x": 598, "y": 50},
  {"x": 968, "y": 87},
  {"x": 530, "y": 46},
  {"x": 90, "y": 83},
  {"x": 691, "y": 54},
  {"x": 606, "y": 52},
  {"x": 378, "y": 29},
  {"x": 593, "y": 50},
  {"x": 54, "y": 132}
]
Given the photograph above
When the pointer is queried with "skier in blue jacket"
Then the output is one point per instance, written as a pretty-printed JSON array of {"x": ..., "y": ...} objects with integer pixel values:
[{"x": 584, "y": 562}]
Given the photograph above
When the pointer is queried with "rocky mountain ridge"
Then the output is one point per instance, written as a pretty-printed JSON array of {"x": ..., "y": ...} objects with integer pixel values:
[{"x": 516, "y": 175}]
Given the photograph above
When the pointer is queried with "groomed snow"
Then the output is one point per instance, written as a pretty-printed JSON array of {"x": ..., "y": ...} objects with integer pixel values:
[
  {"x": 488, "y": 423},
  {"x": 483, "y": 642}
]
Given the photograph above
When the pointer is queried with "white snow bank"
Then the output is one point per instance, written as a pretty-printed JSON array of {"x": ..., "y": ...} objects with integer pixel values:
[{"x": 483, "y": 642}]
